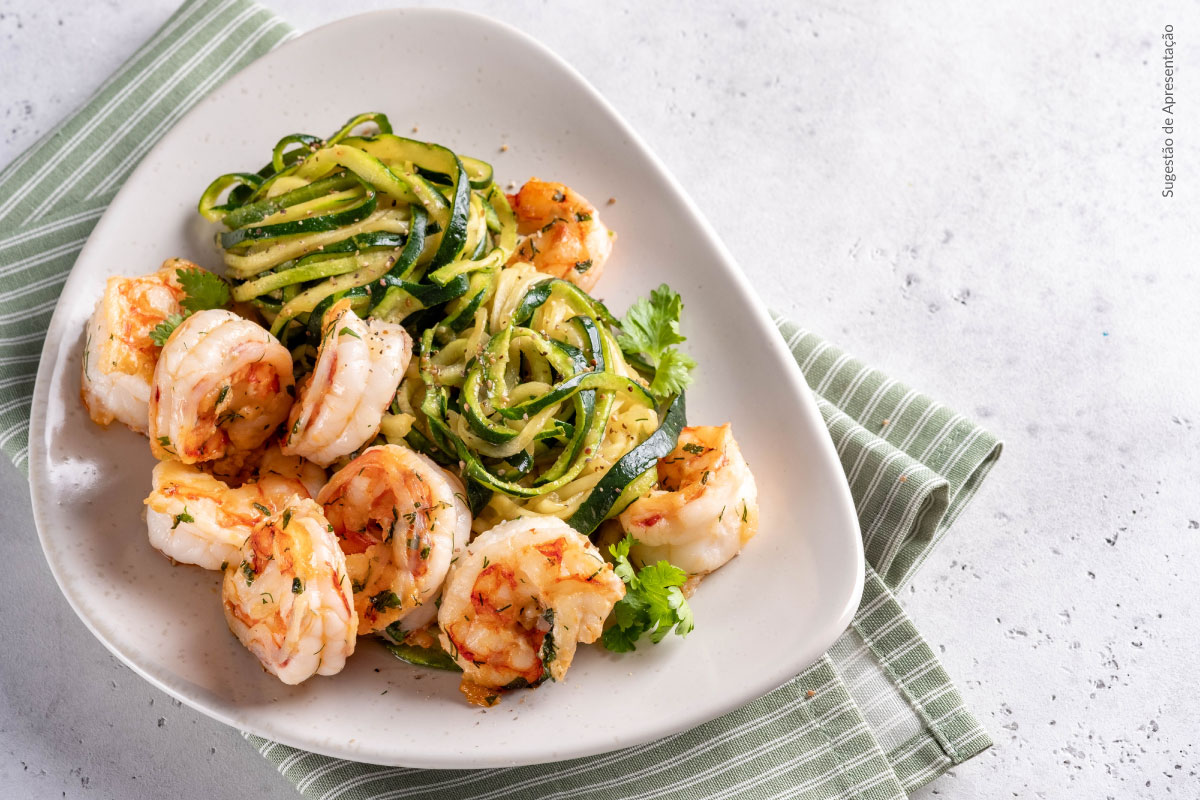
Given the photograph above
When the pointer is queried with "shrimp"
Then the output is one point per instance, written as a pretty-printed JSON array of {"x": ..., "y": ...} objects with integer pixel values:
[
  {"x": 706, "y": 510},
  {"x": 119, "y": 354},
  {"x": 564, "y": 234},
  {"x": 222, "y": 384},
  {"x": 359, "y": 365},
  {"x": 194, "y": 518},
  {"x": 293, "y": 472},
  {"x": 520, "y": 598},
  {"x": 239, "y": 467},
  {"x": 287, "y": 597},
  {"x": 401, "y": 520}
]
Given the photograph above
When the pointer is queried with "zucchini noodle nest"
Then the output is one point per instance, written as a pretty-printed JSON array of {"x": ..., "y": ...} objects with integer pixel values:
[{"x": 520, "y": 383}]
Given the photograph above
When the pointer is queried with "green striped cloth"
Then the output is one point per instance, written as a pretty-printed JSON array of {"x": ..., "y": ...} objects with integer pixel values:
[{"x": 875, "y": 718}]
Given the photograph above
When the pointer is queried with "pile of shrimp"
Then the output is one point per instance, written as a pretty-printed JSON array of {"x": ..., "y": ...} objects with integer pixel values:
[{"x": 310, "y": 561}]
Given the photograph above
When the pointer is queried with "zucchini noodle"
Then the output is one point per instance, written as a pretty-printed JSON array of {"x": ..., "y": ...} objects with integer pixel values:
[
  {"x": 337, "y": 217},
  {"x": 518, "y": 382},
  {"x": 545, "y": 460}
]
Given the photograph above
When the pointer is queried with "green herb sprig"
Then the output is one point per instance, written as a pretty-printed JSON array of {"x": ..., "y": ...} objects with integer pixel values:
[
  {"x": 650, "y": 332},
  {"x": 653, "y": 603},
  {"x": 202, "y": 290}
]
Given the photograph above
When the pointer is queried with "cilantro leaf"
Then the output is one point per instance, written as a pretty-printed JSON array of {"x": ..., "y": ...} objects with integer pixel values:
[
  {"x": 649, "y": 332},
  {"x": 204, "y": 290},
  {"x": 656, "y": 581},
  {"x": 685, "y": 621},
  {"x": 620, "y": 551},
  {"x": 652, "y": 325},
  {"x": 183, "y": 516},
  {"x": 384, "y": 600},
  {"x": 653, "y": 603},
  {"x": 673, "y": 373},
  {"x": 162, "y": 331},
  {"x": 620, "y": 639}
]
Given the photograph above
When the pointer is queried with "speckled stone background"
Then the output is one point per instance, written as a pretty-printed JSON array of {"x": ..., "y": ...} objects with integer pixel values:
[{"x": 967, "y": 195}]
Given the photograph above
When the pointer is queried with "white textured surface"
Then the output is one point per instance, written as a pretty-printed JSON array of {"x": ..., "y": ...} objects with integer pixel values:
[{"x": 967, "y": 197}]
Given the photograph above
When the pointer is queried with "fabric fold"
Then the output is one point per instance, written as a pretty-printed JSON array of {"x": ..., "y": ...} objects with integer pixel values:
[{"x": 913, "y": 464}]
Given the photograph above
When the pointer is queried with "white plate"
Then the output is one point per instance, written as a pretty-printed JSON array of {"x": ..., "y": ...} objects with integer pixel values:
[{"x": 760, "y": 620}]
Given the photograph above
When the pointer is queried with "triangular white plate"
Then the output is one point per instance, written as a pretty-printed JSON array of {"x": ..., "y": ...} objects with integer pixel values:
[{"x": 473, "y": 84}]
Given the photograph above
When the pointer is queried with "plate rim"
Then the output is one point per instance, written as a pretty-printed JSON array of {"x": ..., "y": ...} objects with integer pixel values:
[{"x": 828, "y": 633}]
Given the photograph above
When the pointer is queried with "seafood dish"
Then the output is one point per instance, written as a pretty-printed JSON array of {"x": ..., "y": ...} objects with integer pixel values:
[{"x": 392, "y": 410}]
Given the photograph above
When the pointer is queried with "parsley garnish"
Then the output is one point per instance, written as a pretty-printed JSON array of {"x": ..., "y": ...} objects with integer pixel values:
[
  {"x": 262, "y": 508},
  {"x": 385, "y": 600},
  {"x": 248, "y": 571},
  {"x": 653, "y": 602},
  {"x": 204, "y": 290},
  {"x": 395, "y": 632},
  {"x": 549, "y": 650},
  {"x": 297, "y": 586},
  {"x": 163, "y": 330},
  {"x": 583, "y": 266},
  {"x": 182, "y": 517},
  {"x": 287, "y": 517},
  {"x": 650, "y": 330},
  {"x": 694, "y": 449},
  {"x": 228, "y": 417},
  {"x": 348, "y": 332}
]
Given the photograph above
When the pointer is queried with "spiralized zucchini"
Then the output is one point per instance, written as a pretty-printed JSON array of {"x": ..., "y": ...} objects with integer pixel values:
[
  {"x": 397, "y": 225},
  {"x": 520, "y": 382},
  {"x": 535, "y": 402}
]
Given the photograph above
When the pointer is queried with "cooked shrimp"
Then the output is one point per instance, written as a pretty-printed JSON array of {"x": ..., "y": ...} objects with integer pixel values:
[
  {"x": 359, "y": 365},
  {"x": 520, "y": 598},
  {"x": 282, "y": 473},
  {"x": 287, "y": 598},
  {"x": 564, "y": 234},
  {"x": 119, "y": 355},
  {"x": 401, "y": 520},
  {"x": 707, "y": 508},
  {"x": 194, "y": 518},
  {"x": 222, "y": 383},
  {"x": 239, "y": 467}
]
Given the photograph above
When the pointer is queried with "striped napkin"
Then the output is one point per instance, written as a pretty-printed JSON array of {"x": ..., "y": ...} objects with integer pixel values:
[{"x": 875, "y": 718}]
